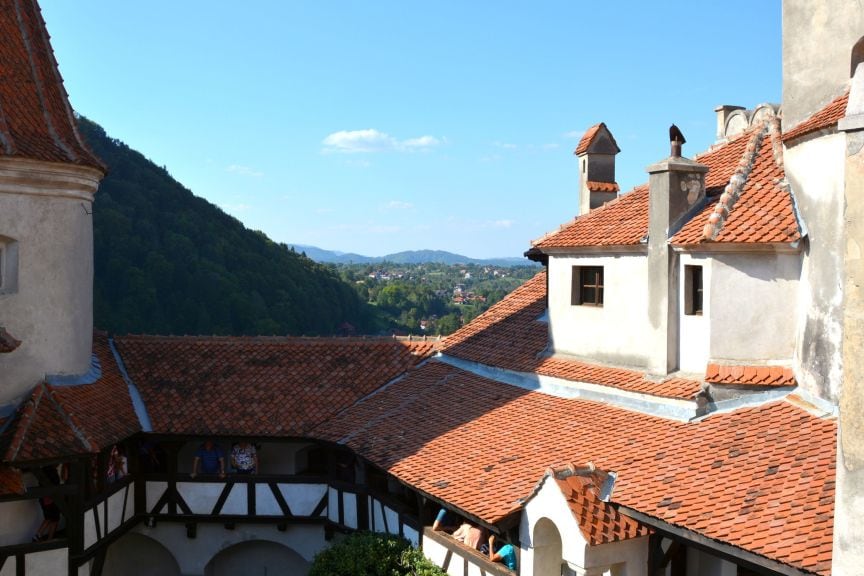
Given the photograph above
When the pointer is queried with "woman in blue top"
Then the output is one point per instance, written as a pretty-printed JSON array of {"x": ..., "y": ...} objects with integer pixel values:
[{"x": 506, "y": 554}]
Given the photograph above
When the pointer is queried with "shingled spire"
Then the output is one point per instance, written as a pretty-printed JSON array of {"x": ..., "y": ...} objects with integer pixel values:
[{"x": 36, "y": 121}]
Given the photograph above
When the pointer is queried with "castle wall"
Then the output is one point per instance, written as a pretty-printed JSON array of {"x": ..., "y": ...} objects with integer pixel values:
[{"x": 46, "y": 210}]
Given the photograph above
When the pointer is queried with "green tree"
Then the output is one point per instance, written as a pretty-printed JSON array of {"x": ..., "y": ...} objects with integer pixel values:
[{"x": 370, "y": 554}]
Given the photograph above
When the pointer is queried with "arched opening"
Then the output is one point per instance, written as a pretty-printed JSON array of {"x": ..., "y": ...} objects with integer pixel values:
[
  {"x": 857, "y": 56},
  {"x": 257, "y": 557},
  {"x": 138, "y": 555},
  {"x": 547, "y": 548}
]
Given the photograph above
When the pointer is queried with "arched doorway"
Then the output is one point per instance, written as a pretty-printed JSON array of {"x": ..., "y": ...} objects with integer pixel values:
[
  {"x": 138, "y": 555},
  {"x": 547, "y": 548},
  {"x": 257, "y": 558}
]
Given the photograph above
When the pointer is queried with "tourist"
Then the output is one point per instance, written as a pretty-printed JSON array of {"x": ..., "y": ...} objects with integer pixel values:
[
  {"x": 50, "y": 510},
  {"x": 117, "y": 465},
  {"x": 211, "y": 458},
  {"x": 470, "y": 535},
  {"x": 445, "y": 521},
  {"x": 505, "y": 554},
  {"x": 244, "y": 458}
]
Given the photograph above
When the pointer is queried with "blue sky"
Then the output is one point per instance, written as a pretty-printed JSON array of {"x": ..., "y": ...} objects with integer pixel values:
[{"x": 376, "y": 127}]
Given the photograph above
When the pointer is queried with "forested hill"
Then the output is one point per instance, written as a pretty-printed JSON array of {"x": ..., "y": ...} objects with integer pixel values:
[{"x": 168, "y": 262}]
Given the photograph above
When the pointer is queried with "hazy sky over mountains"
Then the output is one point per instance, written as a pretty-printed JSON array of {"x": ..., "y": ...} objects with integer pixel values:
[{"x": 376, "y": 127}]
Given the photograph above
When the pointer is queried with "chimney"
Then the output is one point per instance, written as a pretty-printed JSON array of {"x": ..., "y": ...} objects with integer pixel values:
[
  {"x": 596, "y": 154},
  {"x": 723, "y": 113},
  {"x": 676, "y": 189}
]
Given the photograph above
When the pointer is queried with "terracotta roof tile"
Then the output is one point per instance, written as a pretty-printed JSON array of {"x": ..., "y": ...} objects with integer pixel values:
[
  {"x": 587, "y": 138},
  {"x": 602, "y": 186},
  {"x": 764, "y": 212},
  {"x": 510, "y": 335},
  {"x": 59, "y": 421},
  {"x": 258, "y": 386},
  {"x": 761, "y": 210},
  {"x": 824, "y": 118},
  {"x": 483, "y": 445},
  {"x": 36, "y": 121},
  {"x": 11, "y": 483},
  {"x": 749, "y": 375},
  {"x": 599, "y": 521}
]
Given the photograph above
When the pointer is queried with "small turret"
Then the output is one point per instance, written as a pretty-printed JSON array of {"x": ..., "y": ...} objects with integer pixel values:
[{"x": 596, "y": 153}]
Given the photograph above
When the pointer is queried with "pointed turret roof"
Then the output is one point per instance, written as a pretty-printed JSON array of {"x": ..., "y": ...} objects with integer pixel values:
[{"x": 36, "y": 120}]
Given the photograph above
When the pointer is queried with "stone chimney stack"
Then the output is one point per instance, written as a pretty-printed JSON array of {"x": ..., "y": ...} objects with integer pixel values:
[
  {"x": 723, "y": 114},
  {"x": 676, "y": 187},
  {"x": 596, "y": 154}
]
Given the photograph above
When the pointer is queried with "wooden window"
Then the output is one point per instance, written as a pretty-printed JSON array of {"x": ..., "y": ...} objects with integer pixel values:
[
  {"x": 693, "y": 290},
  {"x": 587, "y": 286}
]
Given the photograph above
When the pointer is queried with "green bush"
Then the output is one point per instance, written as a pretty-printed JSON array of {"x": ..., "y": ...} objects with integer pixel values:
[{"x": 368, "y": 554}]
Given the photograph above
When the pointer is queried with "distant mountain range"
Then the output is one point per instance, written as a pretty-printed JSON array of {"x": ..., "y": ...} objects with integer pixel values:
[{"x": 407, "y": 257}]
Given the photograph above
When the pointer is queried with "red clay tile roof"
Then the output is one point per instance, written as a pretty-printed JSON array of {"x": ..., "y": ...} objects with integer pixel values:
[
  {"x": 749, "y": 375},
  {"x": 11, "y": 483},
  {"x": 602, "y": 186},
  {"x": 63, "y": 420},
  {"x": 36, "y": 121},
  {"x": 599, "y": 521},
  {"x": 510, "y": 336},
  {"x": 7, "y": 342},
  {"x": 824, "y": 118},
  {"x": 589, "y": 136},
  {"x": 764, "y": 213},
  {"x": 42, "y": 430},
  {"x": 758, "y": 478},
  {"x": 621, "y": 222},
  {"x": 258, "y": 386}
]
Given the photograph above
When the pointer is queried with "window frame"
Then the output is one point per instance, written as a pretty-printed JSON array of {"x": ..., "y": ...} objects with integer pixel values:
[
  {"x": 694, "y": 290},
  {"x": 583, "y": 279}
]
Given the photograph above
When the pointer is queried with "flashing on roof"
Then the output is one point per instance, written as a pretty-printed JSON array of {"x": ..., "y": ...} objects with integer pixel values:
[
  {"x": 137, "y": 401},
  {"x": 89, "y": 377}
]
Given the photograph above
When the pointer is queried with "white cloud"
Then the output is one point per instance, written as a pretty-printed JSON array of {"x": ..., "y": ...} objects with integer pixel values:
[
  {"x": 397, "y": 205},
  {"x": 235, "y": 208},
  {"x": 371, "y": 140},
  {"x": 244, "y": 171},
  {"x": 574, "y": 134},
  {"x": 504, "y": 145},
  {"x": 502, "y": 223}
]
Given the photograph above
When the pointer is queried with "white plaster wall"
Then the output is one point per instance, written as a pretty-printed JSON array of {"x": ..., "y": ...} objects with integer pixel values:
[
  {"x": 550, "y": 503},
  {"x": 349, "y": 509},
  {"x": 19, "y": 520},
  {"x": 816, "y": 172},
  {"x": 48, "y": 563},
  {"x": 193, "y": 554},
  {"x": 629, "y": 556},
  {"x": 9, "y": 567},
  {"x": 303, "y": 498},
  {"x": 434, "y": 551},
  {"x": 52, "y": 310},
  {"x": 90, "y": 534},
  {"x": 154, "y": 492},
  {"x": 265, "y": 501},
  {"x": 752, "y": 302},
  {"x": 116, "y": 507},
  {"x": 694, "y": 329},
  {"x": 333, "y": 505},
  {"x": 202, "y": 497},
  {"x": 705, "y": 564},
  {"x": 437, "y": 553},
  {"x": 618, "y": 331},
  {"x": 411, "y": 535}
]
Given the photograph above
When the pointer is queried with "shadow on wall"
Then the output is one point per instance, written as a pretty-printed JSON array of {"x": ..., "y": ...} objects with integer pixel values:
[
  {"x": 257, "y": 557},
  {"x": 138, "y": 555}
]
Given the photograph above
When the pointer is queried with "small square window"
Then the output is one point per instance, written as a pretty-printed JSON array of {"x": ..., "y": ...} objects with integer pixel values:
[
  {"x": 693, "y": 291},
  {"x": 587, "y": 286}
]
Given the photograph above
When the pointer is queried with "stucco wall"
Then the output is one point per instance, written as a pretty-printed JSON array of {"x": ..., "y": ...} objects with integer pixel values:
[
  {"x": 19, "y": 520},
  {"x": 193, "y": 554},
  {"x": 753, "y": 299},
  {"x": 817, "y": 40},
  {"x": 617, "y": 332},
  {"x": 628, "y": 557},
  {"x": 815, "y": 170},
  {"x": 47, "y": 210},
  {"x": 705, "y": 564}
]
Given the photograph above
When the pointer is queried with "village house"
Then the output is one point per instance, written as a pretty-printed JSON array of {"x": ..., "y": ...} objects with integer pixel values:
[{"x": 678, "y": 391}]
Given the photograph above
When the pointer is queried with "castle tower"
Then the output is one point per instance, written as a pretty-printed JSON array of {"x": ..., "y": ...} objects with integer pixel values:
[{"x": 47, "y": 181}]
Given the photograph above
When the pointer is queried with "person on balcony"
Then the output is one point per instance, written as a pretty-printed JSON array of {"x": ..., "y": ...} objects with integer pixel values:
[
  {"x": 505, "y": 554},
  {"x": 244, "y": 458},
  {"x": 211, "y": 458},
  {"x": 117, "y": 465},
  {"x": 446, "y": 521},
  {"x": 470, "y": 535}
]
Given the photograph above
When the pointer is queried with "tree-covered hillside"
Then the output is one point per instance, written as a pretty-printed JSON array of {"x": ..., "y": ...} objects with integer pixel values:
[{"x": 169, "y": 262}]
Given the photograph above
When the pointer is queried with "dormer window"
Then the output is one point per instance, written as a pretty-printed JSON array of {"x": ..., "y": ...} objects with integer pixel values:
[{"x": 587, "y": 286}]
